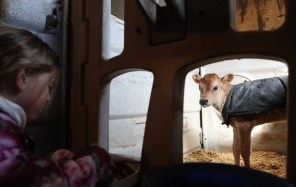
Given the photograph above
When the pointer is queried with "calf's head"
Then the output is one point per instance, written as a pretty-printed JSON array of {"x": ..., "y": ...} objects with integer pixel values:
[{"x": 213, "y": 89}]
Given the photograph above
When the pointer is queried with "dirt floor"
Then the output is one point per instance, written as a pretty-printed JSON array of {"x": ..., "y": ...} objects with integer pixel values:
[{"x": 269, "y": 162}]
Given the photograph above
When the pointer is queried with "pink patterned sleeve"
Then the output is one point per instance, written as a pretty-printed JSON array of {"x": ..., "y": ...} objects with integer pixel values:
[
  {"x": 89, "y": 168},
  {"x": 99, "y": 159}
]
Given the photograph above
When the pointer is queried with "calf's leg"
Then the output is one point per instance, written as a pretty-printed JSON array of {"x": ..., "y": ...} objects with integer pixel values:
[
  {"x": 236, "y": 147},
  {"x": 245, "y": 142}
]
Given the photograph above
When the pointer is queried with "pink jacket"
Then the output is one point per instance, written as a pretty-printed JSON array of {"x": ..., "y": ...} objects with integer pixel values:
[{"x": 18, "y": 167}]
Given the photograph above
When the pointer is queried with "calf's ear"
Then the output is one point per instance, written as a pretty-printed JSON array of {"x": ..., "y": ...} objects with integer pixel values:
[
  {"x": 227, "y": 78},
  {"x": 196, "y": 78}
]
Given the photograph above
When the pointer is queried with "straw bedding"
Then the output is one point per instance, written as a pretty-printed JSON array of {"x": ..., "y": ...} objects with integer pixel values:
[{"x": 270, "y": 162}]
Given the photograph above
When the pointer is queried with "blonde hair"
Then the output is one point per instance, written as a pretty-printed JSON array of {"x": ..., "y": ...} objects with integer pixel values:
[{"x": 22, "y": 49}]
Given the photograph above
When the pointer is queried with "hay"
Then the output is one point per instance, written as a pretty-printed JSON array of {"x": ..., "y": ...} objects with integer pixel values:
[{"x": 269, "y": 162}]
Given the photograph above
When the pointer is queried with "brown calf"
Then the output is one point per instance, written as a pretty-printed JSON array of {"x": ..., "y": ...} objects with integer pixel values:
[{"x": 214, "y": 92}]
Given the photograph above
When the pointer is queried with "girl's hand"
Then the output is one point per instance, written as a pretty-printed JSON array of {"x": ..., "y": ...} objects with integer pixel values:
[
  {"x": 81, "y": 172},
  {"x": 61, "y": 155}
]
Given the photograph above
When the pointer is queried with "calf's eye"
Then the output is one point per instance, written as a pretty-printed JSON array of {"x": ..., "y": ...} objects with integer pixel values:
[{"x": 215, "y": 88}]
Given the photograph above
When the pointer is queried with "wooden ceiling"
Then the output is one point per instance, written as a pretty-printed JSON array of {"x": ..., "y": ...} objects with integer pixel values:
[{"x": 250, "y": 15}]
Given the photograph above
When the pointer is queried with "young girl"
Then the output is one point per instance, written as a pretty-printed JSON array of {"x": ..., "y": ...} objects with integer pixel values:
[{"x": 28, "y": 72}]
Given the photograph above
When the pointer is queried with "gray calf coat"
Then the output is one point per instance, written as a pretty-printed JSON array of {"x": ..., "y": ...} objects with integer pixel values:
[{"x": 253, "y": 97}]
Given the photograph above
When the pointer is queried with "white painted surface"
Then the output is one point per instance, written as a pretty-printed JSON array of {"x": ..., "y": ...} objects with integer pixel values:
[
  {"x": 191, "y": 115},
  {"x": 116, "y": 36},
  {"x": 129, "y": 100}
]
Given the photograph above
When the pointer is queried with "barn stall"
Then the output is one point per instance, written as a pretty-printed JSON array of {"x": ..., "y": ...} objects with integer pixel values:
[
  {"x": 137, "y": 109},
  {"x": 202, "y": 127},
  {"x": 168, "y": 129}
]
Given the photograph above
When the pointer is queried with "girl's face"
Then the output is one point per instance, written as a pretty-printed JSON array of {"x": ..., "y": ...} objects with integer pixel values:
[{"x": 36, "y": 94}]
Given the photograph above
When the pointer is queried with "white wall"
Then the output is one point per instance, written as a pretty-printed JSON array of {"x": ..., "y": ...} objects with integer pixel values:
[
  {"x": 129, "y": 100},
  {"x": 191, "y": 116}
]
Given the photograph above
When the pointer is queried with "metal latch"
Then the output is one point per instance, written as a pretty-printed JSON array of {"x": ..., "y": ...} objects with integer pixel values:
[{"x": 54, "y": 20}]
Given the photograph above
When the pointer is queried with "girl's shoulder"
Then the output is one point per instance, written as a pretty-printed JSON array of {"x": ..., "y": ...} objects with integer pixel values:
[
  {"x": 12, "y": 135},
  {"x": 8, "y": 125}
]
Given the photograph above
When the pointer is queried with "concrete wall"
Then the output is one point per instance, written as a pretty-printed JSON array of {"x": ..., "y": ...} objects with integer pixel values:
[
  {"x": 192, "y": 131},
  {"x": 129, "y": 100}
]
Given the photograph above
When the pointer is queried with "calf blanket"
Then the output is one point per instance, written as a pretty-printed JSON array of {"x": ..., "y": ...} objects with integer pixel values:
[{"x": 253, "y": 97}]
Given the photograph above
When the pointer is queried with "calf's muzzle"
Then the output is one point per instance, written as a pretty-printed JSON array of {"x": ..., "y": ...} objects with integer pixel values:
[{"x": 203, "y": 102}]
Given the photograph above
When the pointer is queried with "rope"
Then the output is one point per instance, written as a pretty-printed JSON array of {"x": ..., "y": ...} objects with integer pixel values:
[{"x": 243, "y": 77}]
